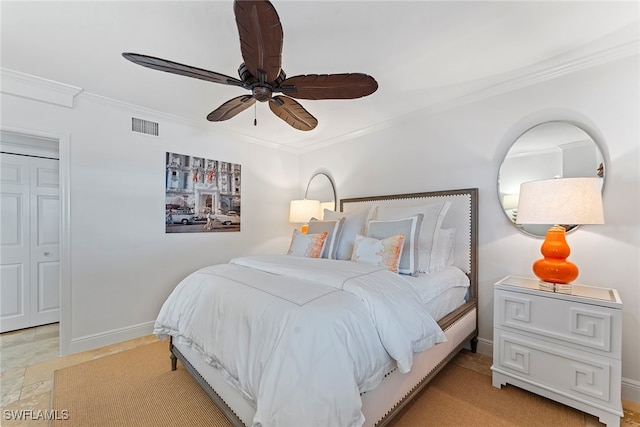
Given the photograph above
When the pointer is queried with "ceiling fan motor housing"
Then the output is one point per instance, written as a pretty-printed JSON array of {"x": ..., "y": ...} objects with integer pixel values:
[{"x": 262, "y": 93}]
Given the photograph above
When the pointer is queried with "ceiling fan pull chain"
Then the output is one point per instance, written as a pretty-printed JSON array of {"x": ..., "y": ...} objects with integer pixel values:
[{"x": 255, "y": 118}]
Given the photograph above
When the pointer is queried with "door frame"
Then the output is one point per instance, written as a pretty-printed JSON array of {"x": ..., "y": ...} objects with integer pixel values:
[{"x": 64, "y": 149}]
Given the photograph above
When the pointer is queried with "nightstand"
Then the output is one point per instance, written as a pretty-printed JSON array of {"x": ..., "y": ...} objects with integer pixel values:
[{"x": 563, "y": 346}]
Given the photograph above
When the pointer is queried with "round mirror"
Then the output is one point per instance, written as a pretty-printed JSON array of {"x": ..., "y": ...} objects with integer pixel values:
[
  {"x": 321, "y": 187},
  {"x": 548, "y": 150}
]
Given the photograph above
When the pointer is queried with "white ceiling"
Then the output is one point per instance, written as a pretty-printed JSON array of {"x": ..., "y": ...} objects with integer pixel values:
[{"x": 422, "y": 53}]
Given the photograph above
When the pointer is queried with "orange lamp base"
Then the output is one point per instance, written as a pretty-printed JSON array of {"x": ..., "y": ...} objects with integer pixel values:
[{"x": 554, "y": 267}]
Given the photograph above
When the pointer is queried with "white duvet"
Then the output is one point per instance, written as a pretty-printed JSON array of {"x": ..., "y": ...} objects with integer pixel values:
[{"x": 300, "y": 338}]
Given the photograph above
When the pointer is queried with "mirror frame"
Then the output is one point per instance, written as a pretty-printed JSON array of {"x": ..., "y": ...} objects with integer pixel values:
[
  {"x": 333, "y": 187},
  {"x": 599, "y": 152}
]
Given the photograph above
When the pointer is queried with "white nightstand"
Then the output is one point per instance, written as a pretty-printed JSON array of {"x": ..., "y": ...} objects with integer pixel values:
[{"x": 566, "y": 347}]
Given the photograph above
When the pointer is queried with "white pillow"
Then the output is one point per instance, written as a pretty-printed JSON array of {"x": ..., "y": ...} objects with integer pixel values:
[
  {"x": 353, "y": 224},
  {"x": 334, "y": 230},
  {"x": 384, "y": 253},
  {"x": 410, "y": 228},
  {"x": 307, "y": 245},
  {"x": 443, "y": 254},
  {"x": 434, "y": 214}
]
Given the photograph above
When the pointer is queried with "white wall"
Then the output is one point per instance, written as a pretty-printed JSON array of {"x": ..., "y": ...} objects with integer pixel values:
[
  {"x": 121, "y": 264},
  {"x": 463, "y": 147}
]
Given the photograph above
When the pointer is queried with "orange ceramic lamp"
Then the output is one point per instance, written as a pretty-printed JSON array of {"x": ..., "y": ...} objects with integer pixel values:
[
  {"x": 570, "y": 201},
  {"x": 554, "y": 267}
]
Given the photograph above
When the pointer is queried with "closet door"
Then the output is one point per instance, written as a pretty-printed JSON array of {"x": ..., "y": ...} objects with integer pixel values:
[
  {"x": 29, "y": 242},
  {"x": 44, "y": 241},
  {"x": 14, "y": 243}
]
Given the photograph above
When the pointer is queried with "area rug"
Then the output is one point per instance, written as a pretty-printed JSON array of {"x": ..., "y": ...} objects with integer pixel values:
[{"x": 137, "y": 388}]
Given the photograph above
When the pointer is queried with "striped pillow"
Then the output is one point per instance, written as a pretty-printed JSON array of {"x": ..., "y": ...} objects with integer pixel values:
[{"x": 334, "y": 230}]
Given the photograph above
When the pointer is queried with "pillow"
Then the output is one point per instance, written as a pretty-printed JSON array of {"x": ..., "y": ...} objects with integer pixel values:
[
  {"x": 384, "y": 253},
  {"x": 353, "y": 224},
  {"x": 410, "y": 228},
  {"x": 434, "y": 214},
  {"x": 443, "y": 254},
  {"x": 333, "y": 228},
  {"x": 307, "y": 245}
]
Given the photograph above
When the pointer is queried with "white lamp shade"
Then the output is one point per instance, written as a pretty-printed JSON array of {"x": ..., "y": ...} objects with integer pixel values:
[
  {"x": 561, "y": 201},
  {"x": 302, "y": 210}
]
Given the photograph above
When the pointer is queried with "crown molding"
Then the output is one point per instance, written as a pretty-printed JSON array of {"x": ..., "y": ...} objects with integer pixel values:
[
  {"x": 547, "y": 71},
  {"x": 155, "y": 115},
  {"x": 141, "y": 111},
  {"x": 36, "y": 88},
  {"x": 523, "y": 78}
]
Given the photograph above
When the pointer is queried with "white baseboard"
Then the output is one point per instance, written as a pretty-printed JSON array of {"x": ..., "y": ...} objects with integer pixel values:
[
  {"x": 485, "y": 346},
  {"x": 630, "y": 388},
  {"x": 114, "y": 336}
]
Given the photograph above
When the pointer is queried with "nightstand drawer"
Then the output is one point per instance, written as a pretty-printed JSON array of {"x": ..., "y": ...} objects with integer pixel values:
[
  {"x": 583, "y": 326},
  {"x": 582, "y": 375}
]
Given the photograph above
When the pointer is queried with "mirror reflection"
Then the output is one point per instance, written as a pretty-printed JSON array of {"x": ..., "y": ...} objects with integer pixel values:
[
  {"x": 548, "y": 150},
  {"x": 321, "y": 187}
]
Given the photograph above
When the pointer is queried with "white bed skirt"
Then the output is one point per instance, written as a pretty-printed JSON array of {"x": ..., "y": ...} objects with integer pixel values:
[
  {"x": 375, "y": 403},
  {"x": 381, "y": 400}
]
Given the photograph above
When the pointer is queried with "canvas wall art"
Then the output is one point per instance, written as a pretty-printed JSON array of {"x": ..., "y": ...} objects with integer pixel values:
[{"x": 201, "y": 195}]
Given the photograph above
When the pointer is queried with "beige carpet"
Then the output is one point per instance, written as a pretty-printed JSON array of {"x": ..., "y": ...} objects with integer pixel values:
[{"x": 138, "y": 388}]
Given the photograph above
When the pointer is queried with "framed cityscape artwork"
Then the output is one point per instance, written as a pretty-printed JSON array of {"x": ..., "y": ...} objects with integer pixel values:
[{"x": 201, "y": 195}]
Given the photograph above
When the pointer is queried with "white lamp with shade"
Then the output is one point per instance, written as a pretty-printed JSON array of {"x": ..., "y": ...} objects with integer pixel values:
[
  {"x": 301, "y": 211},
  {"x": 559, "y": 201}
]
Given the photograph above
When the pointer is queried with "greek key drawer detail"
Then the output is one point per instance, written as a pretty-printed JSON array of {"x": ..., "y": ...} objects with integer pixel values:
[
  {"x": 583, "y": 373},
  {"x": 591, "y": 324},
  {"x": 579, "y": 324}
]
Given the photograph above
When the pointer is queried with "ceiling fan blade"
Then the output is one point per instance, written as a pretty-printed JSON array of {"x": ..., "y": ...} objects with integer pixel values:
[
  {"x": 329, "y": 86},
  {"x": 230, "y": 108},
  {"x": 292, "y": 112},
  {"x": 181, "y": 69},
  {"x": 260, "y": 38}
]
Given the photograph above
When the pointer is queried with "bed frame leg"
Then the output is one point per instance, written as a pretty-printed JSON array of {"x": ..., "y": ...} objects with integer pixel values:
[
  {"x": 174, "y": 359},
  {"x": 474, "y": 344}
]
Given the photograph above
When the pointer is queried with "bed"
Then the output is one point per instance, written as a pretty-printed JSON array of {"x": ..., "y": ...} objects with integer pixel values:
[{"x": 352, "y": 340}]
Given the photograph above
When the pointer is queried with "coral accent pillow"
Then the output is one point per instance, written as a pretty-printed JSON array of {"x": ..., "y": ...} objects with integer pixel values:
[
  {"x": 384, "y": 253},
  {"x": 307, "y": 245}
]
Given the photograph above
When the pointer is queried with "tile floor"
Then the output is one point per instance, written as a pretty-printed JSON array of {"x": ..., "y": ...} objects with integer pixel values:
[{"x": 29, "y": 357}]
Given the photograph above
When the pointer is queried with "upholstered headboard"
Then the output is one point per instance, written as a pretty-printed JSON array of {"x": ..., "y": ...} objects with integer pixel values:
[{"x": 462, "y": 215}]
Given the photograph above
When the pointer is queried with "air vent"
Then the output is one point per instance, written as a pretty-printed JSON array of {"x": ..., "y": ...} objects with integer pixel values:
[{"x": 144, "y": 126}]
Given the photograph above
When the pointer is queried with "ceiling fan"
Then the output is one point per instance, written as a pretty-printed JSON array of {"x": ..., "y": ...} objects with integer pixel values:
[{"x": 261, "y": 72}]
